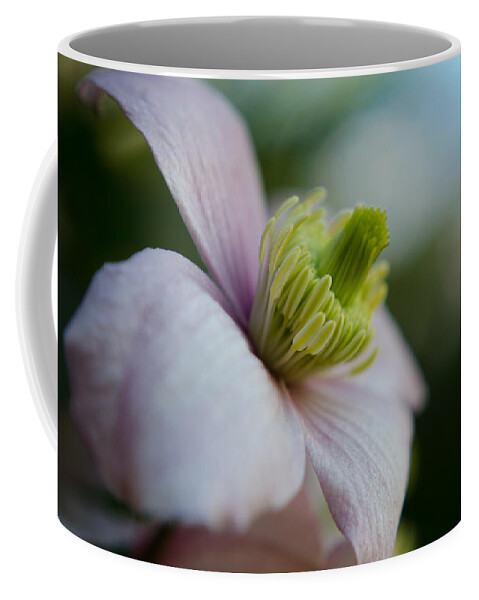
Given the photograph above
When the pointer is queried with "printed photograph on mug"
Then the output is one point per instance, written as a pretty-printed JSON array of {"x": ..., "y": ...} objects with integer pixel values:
[{"x": 259, "y": 315}]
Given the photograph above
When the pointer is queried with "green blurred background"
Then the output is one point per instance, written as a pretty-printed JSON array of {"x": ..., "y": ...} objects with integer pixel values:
[{"x": 388, "y": 140}]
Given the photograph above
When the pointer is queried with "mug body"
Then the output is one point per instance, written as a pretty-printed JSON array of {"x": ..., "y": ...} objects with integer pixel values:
[{"x": 258, "y": 291}]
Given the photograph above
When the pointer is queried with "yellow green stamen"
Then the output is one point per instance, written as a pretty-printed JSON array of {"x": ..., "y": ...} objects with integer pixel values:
[{"x": 318, "y": 287}]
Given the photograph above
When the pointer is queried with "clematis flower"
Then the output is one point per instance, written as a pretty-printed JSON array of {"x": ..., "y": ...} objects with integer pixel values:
[{"x": 202, "y": 397}]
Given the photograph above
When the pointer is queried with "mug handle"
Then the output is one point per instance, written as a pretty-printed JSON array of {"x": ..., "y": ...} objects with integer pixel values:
[{"x": 35, "y": 321}]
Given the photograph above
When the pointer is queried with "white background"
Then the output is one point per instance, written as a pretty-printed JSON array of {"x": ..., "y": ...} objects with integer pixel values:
[{"x": 41, "y": 558}]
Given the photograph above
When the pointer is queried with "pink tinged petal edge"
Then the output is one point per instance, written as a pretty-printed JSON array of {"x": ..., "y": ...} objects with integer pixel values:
[
  {"x": 359, "y": 444},
  {"x": 183, "y": 420},
  {"x": 203, "y": 150}
]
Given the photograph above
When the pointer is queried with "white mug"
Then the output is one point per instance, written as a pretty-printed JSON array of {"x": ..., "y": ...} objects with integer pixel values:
[{"x": 242, "y": 399}]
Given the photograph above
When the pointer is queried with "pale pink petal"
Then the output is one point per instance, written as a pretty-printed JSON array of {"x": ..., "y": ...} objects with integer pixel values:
[
  {"x": 395, "y": 370},
  {"x": 359, "y": 431},
  {"x": 340, "y": 556},
  {"x": 359, "y": 443},
  {"x": 281, "y": 541},
  {"x": 295, "y": 530},
  {"x": 182, "y": 418},
  {"x": 204, "y": 550},
  {"x": 202, "y": 147},
  {"x": 329, "y": 535}
]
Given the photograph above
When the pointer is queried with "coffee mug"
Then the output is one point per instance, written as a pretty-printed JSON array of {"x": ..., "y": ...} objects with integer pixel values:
[{"x": 243, "y": 205}]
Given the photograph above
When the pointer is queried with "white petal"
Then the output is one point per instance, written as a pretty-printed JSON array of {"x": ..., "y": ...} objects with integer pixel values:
[{"x": 183, "y": 420}]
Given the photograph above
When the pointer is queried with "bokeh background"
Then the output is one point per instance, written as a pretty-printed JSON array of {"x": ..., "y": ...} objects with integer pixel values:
[{"x": 390, "y": 140}]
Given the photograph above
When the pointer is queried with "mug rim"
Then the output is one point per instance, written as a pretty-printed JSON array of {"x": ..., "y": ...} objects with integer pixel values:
[{"x": 65, "y": 48}]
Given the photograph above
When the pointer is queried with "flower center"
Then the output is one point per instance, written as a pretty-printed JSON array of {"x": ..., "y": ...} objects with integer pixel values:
[{"x": 318, "y": 288}]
